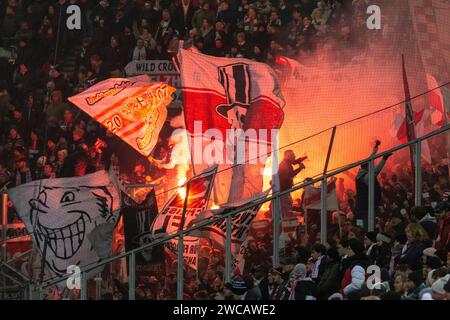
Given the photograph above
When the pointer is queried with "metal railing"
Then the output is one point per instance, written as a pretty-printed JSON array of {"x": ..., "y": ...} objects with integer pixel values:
[{"x": 131, "y": 255}]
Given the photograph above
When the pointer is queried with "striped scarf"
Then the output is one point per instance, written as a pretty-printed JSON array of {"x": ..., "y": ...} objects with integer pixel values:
[
  {"x": 315, "y": 269},
  {"x": 292, "y": 295}
]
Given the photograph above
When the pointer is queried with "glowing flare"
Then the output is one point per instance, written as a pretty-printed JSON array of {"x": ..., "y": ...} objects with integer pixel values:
[
  {"x": 181, "y": 178},
  {"x": 214, "y": 206}
]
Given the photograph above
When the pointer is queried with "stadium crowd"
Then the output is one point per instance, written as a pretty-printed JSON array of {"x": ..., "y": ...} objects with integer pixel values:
[{"x": 43, "y": 136}]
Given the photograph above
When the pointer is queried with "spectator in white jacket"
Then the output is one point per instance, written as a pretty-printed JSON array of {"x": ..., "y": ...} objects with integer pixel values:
[{"x": 355, "y": 274}]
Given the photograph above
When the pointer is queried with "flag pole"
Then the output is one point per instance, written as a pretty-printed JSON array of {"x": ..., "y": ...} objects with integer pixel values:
[
  {"x": 446, "y": 109},
  {"x": 410, "y": 130},
  {"x": 276, "y": 204},
  {"x": 180, "y": 280},
  {"x": 176, "y": 63},
  {"x": 4, "y": 226}
]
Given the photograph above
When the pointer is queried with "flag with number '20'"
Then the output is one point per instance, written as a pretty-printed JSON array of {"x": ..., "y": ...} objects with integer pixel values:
[{"x": 134, "y": 109}]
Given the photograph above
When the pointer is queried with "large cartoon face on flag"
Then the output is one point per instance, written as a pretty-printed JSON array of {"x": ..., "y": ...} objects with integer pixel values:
[{"x": 70, "y": 219}]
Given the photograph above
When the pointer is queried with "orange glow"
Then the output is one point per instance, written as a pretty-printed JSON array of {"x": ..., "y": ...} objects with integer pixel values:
[
  {"x": 182, "y": 190},
  {"x": 181, "y": 179},
  {"x": 327, "y": 94},
  {"x": 214, "y": 206}
]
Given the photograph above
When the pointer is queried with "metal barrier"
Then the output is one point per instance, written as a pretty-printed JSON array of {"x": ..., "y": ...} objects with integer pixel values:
[{"x": 131, "y": 255}]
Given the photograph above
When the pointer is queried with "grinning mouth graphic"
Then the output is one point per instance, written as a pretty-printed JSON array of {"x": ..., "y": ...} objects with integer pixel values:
[{"x": 65, "y": 242}]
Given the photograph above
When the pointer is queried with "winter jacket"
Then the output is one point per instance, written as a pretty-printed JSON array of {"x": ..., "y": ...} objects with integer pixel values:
[
  {"x": 355, "y": 276},
  {"x": 5, "y": 177},
  {"x": 357, "y": 279},
  {"x": 429, "y": 224},
  {"x": 201, "y": 14},
  {"x": 379, "y": 255},
  {"x": 253, "y": 294},
  {"x": 413, "y": 255},
  {"x": 329, "y": 283},
  {"x": 305, "y": 289},
  {"x": 319, "y": 268},
  {"x": 443, "y": 232},
  {"x": 10, "y": 26},
  {"x": 414, "y": 295}
]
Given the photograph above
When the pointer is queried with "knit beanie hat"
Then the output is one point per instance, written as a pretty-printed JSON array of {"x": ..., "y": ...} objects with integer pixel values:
[
  {"x": 381, "y": 236},
  {"x": 237, "y": 285},
  {"x": 439, "y": 284},
  {"x": 433, "y": 262},
  {"x": 299, "y": 271},
  {"x": 372, "y": 236},
  {"x": 429, "y": 252},
  {"x": 356, "y": 246},
  {"x": 447, "y": 286}
]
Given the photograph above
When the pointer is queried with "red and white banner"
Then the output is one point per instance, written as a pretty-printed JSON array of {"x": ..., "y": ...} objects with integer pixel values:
[
  {"x": 436, "y": 99},
  {"x": 16, "y": 232},
  {"x": 312, "y": 197},
  {"x": 223, "y": 94},
  {"x": 134, "y": 109},
  {"x": 18, "y": 256},
  {"x": 398, "y": 129},
  {"x": 259, "y": 228},
  {"x": 241, "y": 223},
  {"x": 218, "y": 91},
  {"x": 289, "y": 226}
]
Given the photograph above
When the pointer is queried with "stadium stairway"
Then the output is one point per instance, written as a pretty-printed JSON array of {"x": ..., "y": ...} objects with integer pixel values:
[{"x": 68, "y": 62}]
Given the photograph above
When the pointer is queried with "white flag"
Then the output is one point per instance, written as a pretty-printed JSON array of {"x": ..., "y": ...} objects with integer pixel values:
[
  {"x": 313, "y": 195},
  {"x": 76, "y": 216}
]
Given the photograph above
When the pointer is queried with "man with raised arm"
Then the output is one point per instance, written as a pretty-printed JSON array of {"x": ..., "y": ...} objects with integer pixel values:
[
  {"x": 286, "y": 173},
  {"x": 362, "y": 188}
]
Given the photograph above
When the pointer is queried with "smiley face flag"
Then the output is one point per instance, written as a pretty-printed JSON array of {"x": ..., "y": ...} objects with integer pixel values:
[{"x": 71, "y": 220}]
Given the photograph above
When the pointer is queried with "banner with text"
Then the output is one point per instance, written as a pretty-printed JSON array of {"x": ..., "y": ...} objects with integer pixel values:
[{"x": 158, "y": 71}]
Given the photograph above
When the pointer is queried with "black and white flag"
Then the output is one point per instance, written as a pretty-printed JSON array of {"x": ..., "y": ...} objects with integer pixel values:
[
  {"x": 73, "y": 218},
  {"x": 137, "y": 221}
]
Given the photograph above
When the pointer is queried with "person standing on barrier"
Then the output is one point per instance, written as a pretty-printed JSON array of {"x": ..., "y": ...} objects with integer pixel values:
[
  {"x": 286, "y": 173},
  {"x": 362, "y": 188}
]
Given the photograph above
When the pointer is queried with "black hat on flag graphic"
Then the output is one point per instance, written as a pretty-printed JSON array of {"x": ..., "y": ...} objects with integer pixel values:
[{"x": 235, "y": 79}]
